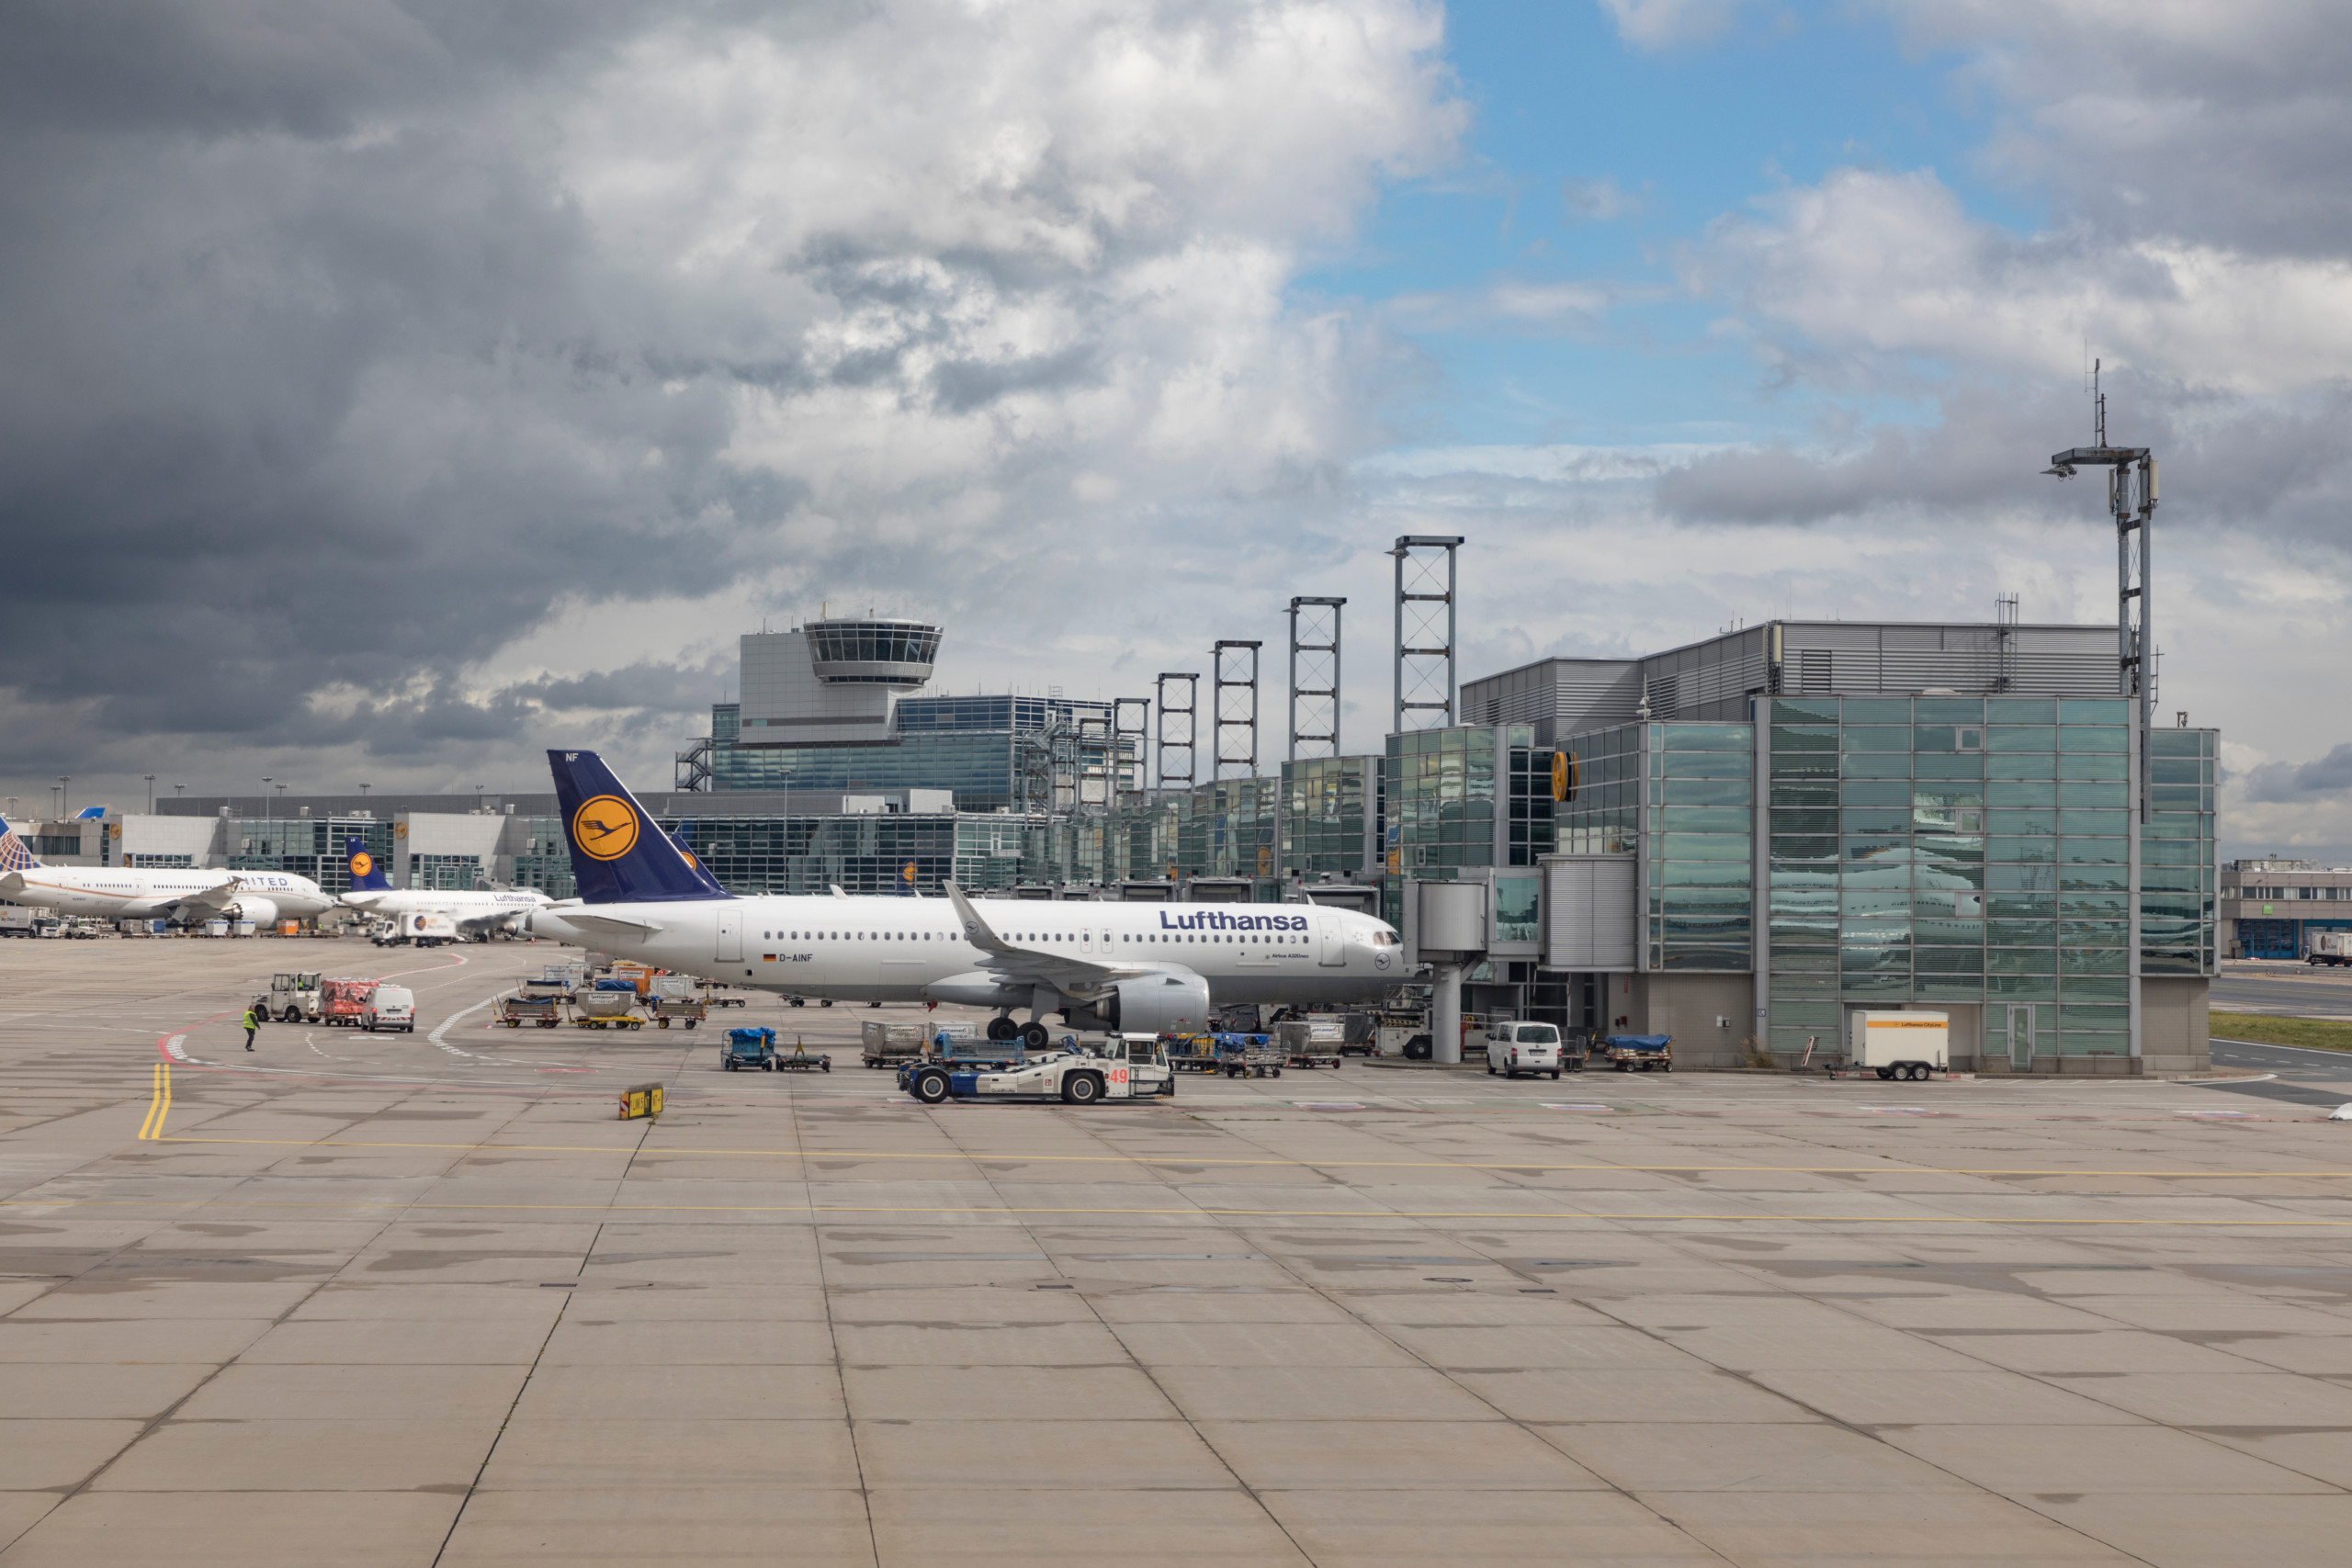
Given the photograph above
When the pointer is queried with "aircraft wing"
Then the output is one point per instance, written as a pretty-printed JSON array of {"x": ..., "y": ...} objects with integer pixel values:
[
  {"x": 1071, "y": 976},
  {"x": 218, "y": 896}
]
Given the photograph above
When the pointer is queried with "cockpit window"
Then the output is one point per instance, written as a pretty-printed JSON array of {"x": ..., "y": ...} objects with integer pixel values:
[{"x": 1385, "y": 939}]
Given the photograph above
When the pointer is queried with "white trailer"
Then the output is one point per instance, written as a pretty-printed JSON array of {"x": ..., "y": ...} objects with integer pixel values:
[
  {"x": 2332, "y": 948},
  {"x": 1902, "y": 1045}
]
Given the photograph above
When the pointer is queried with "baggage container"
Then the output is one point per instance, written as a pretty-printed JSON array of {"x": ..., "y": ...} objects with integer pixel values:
[{"x": 883, "y": 1045}]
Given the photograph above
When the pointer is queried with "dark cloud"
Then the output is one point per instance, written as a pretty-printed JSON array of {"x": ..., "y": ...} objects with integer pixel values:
[
  {"x": 345, "y": 346},
  {"x": 2225, "y": 125},
  {"x": 2302, "y": 783}
]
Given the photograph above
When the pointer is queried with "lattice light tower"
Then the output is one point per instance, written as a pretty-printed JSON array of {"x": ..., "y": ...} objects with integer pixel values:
[
  {"x": 1236, "y": 664},
  {"x": 1176, "y": 764},
  {"x": 1314, "y": 676},
  {"x": 1131, "y": 747},
  {"x": 2131, "y": 501},
  {"x": 1425, "y": 628}
]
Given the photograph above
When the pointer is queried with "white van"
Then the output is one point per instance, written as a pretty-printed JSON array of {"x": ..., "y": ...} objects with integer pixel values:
[
  {"x": 393, "y": 1007},
  {"x": 1514, "y": 1048}
]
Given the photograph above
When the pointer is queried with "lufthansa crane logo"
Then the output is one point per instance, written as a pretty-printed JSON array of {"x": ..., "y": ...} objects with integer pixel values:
[
  {"x": 604, "y": 827},
  {"x": 362, "y": 864}
]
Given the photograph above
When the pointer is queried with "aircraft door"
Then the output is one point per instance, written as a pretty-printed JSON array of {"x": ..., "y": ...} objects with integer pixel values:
[
  {"x": 1331, "y": 942},
  {"x": 730, "y": 933}
]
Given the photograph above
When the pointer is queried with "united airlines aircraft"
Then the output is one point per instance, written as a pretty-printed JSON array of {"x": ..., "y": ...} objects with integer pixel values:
[
  {"x": 181, "y": 895},
  {"x": 1140, "y": 967}
]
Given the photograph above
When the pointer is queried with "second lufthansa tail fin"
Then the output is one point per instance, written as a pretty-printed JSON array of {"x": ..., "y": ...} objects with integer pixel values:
[
  {"x": 619, "y": 855},
  {"x": 367, "y": 876}
]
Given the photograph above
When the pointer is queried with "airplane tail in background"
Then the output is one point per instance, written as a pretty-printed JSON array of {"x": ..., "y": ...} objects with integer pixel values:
[
  {"x": 619, "y": 855},
  {"x": 14, "y": 855},
  {"x": 366, "y": 876}
]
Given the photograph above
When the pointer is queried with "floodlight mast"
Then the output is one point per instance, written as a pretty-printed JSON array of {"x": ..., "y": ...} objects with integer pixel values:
[{"x": 2132, "y": 500}]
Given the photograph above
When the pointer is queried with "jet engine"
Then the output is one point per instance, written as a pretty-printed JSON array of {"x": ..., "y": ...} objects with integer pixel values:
[
  {"x": 260, "y": 911},
  {"x": 1148, "y": 1004}
]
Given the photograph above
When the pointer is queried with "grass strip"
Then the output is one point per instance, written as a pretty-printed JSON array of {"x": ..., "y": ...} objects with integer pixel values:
[{"x": 2265, "y": 1028}]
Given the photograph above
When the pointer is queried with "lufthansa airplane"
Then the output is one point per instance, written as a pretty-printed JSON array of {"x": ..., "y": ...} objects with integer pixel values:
[
  {"x": 1141, "y": 967},
  {"x": 474, "y": 912},
  {"x": 182, "y": 894}
]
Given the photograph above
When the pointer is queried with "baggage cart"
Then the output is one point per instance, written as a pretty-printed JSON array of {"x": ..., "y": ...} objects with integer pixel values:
[
  {"x": 687, "y": 1012},
  {"x": 343, "y": 999},
  {"x": 747, "y": 1050},
  {"x": 1248, "y": 1056},
  {"x": 543, "y": 1011},
  {"x": 1639, "y": 1053},
  {"x": 800, "y": 1059},
  {"x": 1191, "y": 1053}
]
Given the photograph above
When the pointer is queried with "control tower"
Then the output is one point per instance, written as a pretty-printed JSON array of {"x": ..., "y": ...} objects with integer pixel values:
[{"x": 834, "y": 680}]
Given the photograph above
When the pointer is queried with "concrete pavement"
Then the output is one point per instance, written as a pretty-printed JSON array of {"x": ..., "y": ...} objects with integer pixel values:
[{"x": 420, "y": 1300}]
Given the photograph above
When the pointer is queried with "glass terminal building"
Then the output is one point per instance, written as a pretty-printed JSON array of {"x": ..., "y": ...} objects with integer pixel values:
[{"x": 1741, "y": 842}]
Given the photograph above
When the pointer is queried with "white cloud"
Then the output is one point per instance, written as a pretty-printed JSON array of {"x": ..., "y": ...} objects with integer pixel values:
[
  {"x": 1666, "y": 24},
  {"x": 1877, "y": 267}
]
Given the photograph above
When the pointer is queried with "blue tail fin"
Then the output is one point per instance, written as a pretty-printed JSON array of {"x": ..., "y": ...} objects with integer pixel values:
[
  {"x": 366, "y": 876},
  {"x": 619, "y": 855},
  {"x": 14, "y": 855}
]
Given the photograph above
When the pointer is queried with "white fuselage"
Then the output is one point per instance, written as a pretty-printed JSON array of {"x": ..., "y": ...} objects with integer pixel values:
[
  {"x": 884, "y": 950},
  {"x": 473, "y": 912},
  {"x": 123, "y": 893}
]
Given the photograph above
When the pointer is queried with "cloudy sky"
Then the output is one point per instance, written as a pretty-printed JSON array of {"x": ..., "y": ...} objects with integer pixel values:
[{"x": 388, "y": 391}]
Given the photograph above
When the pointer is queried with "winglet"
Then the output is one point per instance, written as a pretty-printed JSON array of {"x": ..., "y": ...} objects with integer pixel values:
[
  {"x": 619, "y": 855},
  {"x": 977, "y": 930}
]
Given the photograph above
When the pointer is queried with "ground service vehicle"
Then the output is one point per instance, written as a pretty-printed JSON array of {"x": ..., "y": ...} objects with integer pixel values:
[
  {"x": 419, "y": 928},
  {"x": 2332, "y": 948},
  {"x": 1639, "y": 1053},
  {"x": 1902, "y": 1045},
  {"x": 343, "y": 998},
  {"x": 687, "y": 1012},
  {"x": 393, "y": 1007},
  {"x": 746, "y": 1049},
  {"x": 1121, "y": 1070},
  {"x": 1513, "y": 1048},
  {"x": 884, "y": 1044},
  {"x": 294, "y": 999},
  {"x": 27, "y": 922}
]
